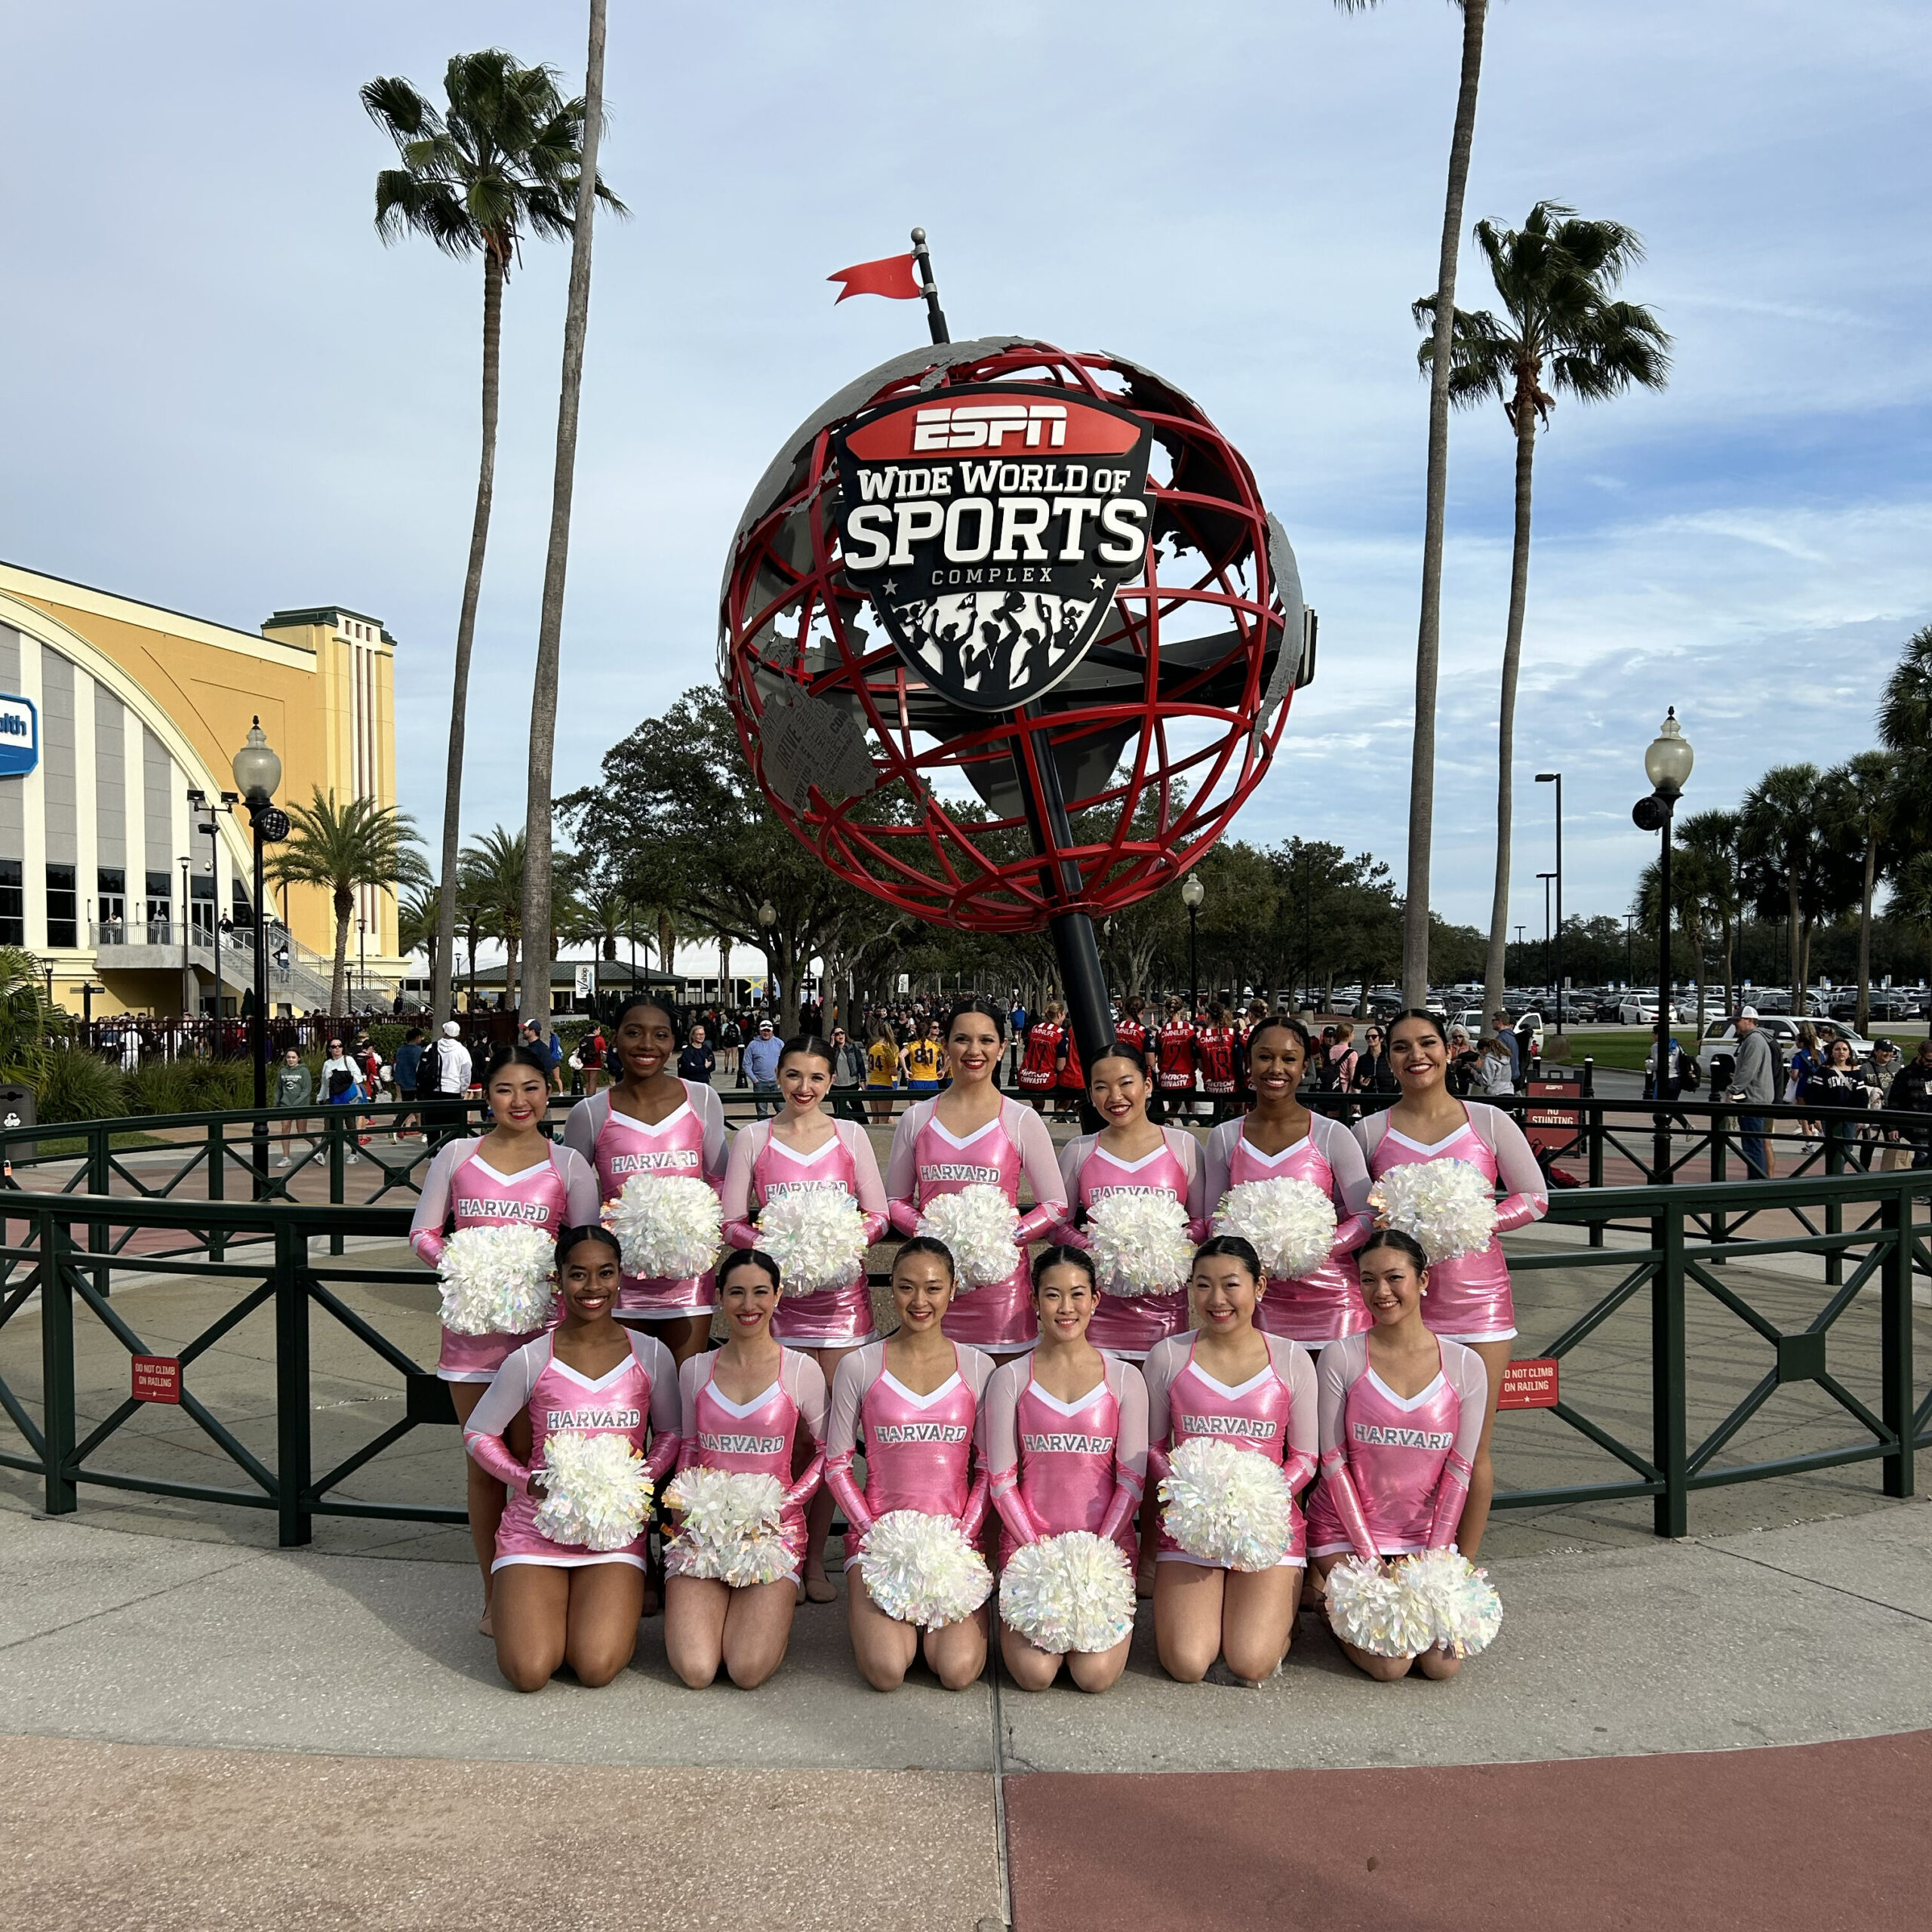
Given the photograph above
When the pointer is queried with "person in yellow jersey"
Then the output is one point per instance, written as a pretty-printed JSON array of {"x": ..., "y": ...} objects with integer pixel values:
[
  {"x": 921, "y": 1061},
  {"x": 882, "y": 1071}
]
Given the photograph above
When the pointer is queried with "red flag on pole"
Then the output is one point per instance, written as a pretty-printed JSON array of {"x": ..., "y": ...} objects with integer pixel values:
[{"x": 895, "y": 277}]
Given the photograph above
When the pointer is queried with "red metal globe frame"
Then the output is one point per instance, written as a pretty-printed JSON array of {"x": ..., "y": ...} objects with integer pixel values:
[{"x": 1198, "y": 728}]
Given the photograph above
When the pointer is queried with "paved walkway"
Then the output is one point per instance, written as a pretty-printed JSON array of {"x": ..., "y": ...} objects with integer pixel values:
[{"x": 211, "y": 1733}]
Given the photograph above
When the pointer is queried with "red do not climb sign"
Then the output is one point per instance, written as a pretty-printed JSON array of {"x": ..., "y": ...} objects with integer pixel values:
[
  {"x": 157, "y": 1379},
  {"x": 1529, "y": 1385}
]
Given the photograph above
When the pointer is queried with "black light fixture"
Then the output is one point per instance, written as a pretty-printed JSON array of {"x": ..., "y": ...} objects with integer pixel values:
[{"x": 1667, "y": 765}]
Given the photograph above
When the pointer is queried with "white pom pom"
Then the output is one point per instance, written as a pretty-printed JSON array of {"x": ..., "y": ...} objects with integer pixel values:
[
  {"x": 1068, "y": 1592},
  {"x": 595, "y": 1493},
  {"x": 1456, "y": 1601},
  {"x": 667, "y": 1226},
  {"x": 980, "y": 1228},
  {"x": 1138, "y": 1238},
  {"x": 918, "y": 1569},
  {"x": 1449, "y": 1206},
  {"x": 496, "y": 1281},
  {"x": 1290, "y": 1223},
  {"x": 1226, "y": 1505},
  {"x": 817, "y": 1238},
  {"x": 1375, "y": 1612},
  {"x": 730, "y": 1533}
]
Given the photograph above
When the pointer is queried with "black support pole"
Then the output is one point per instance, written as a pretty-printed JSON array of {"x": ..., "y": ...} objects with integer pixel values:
[
  {"x": 935, "y": 315},
  {"x": 1666, "y": 1087},
  {"x": 258, "y": 1042}
]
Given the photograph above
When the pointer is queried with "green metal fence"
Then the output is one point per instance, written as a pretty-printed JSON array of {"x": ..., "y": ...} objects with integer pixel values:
[{"x": 1654, "y": 1265}]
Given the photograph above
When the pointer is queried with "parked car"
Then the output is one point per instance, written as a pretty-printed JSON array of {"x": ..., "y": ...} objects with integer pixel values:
[
  {"x": 1782, "y": 1030},
  {"x": 1635, "y": 1011}
]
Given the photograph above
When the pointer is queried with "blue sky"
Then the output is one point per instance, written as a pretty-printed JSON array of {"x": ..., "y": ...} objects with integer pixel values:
[{"x": 223, "y": 395}]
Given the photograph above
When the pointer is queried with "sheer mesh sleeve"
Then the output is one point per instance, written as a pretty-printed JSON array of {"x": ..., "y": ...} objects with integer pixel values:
[
  {"x": 1000, "y": 1415},
  {"x": 1368, "y": 1132},
  {"x": 1353, "y": 1219},
  {"x": 432, "y": 1207},
  {"x": 1164, "y": 1361},
  {"x": 1296, "y": 1367},
  {"x": 1464, "y": 1369},
  {"x": 692, "y": 1376},
  {"x": 667, "y": 1408},
  {"x": 582, "y": 1123},
  {"x": 735, "y": 1194},
  {"x": 1130, "y": 1444},
  {"x": 1028, "y": 1132},
  {"x": 975, "y": 1370},
  {"x": 1343, "y": 1363},
  {"x": 855, "y": 1374},
  {"x": 866, "y": 1176},
  {"x": 1186, "y": 1150},
  {"x": 1217, "y": 1161},
  {"x": 710, "y": 1110},
  {"x": 503, "y": 1402},
  {"x": 804, "y": 1381},
  {"x": 580, "y": 1191},
  {"x": 1526, "y": 1194},
  {"x": 902, "y": 1169},
  {"x": 1072, "y": 1158}
]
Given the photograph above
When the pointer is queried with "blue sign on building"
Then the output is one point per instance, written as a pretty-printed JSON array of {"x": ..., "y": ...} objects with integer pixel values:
[{"x": 19, "y": 736}]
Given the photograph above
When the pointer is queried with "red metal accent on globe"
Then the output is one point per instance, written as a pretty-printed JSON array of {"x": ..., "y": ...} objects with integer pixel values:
[{"x": 1165, "y": 726}]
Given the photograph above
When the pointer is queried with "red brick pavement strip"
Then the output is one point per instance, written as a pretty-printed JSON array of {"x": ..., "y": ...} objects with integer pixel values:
[{"x": 1819, "y": 1836}]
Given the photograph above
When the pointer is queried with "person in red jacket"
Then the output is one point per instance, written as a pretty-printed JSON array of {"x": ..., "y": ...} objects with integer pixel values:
[
  {"x": 1174, "y": 1047},
  {"x": 1073, "y": 1078},
  {"x": 1217, "y": 1051},
  {"x": 1039, "y": 1070},
  {"x": 1130, "y": 1030}
]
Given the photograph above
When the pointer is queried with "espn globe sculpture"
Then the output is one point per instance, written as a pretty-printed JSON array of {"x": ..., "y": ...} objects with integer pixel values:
[{"x": 1008, "y": 634}]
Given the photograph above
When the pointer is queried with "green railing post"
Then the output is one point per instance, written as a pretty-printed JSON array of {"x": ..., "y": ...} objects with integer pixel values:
[
  {"x": 291, "y": 1384},
  {"x": 1720, "y": 1166},
  {"x": 1593, "y": 1127},
  {"x": 334, "y": 1120},
  {"x": 217, "y": 1187},
  {"x": 100, "y": 1180},
  {"x": 1895, "y": 1368},
  {"x": 1670, "y": 1426},
  {"x": 1834, "y": 1210},
  {"x": 56, "y": 1364}
]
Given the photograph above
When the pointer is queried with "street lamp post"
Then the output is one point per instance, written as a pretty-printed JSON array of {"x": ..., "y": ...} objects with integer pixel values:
[
  {"x": 257, "y": 772},
  {"x": 1556, "y": 778},
  {"x": 1191, "y": 894},
  {"x": 1667, "y": 765},
  {"x": 187, "y": 957},
  {"x": 1546, "y": 877},
  {"x": 767, "y": 918}
]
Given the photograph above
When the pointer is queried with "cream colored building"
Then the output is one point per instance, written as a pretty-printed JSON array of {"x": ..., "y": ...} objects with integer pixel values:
[{"x": 136, "y": 707}]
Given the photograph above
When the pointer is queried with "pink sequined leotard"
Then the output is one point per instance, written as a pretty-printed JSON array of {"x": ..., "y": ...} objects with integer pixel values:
[
  {"x": 1468, "y": 1298},
  {"x": 758, "y": 1438},
  {"x": 1272, "y": 1413},
  {"x": 1055, "y": 1466},
  {"x": 1316, "y": 1307},
  {"x": 638, "y": 1398},
  {"x": 1130, "y": 1324},
  {"x": 1395, "y": 1468},
  {"x": 462, "y": 1190},
  {"x": 920, "y": 1451},
  {"x": 763, "y": 1168},
  {"x": 927, "y": 1160},
  {"x": 687, "y": 1143}
]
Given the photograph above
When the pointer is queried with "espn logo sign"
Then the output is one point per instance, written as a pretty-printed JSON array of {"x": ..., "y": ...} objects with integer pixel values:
[{"x": 985, "y": 425}]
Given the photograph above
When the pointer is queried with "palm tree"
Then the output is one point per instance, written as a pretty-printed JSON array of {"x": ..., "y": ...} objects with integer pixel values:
[
  {"x": 415, "y": 918},
  {"x": 493, "y": 871},
  {"x": 1555, "y": 276},
  {"x": 1429, "y": 630},
  {"x": 1862, "y": 805},
  {"x": 343, "y": 849},
  {"x": 29, "y": 1022},
  {"x": 502, "y": 160},
  {"x": 535, "y": 1002},
  {"x": 1710, "y": 839},
  {"x": 1781, "y": 835}
]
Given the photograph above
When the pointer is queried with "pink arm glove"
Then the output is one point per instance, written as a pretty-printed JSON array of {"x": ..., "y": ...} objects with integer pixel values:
[
  {"x": 807, "y": 1484},
  {"x": 1452, "y": 1491},
  {"x": 428, "y": 1243},
  {"x": 740, "y": 1234},
  {"x": 1014, "y": 1511},
  {"x": 1298, "y": 1470},
  {"x": 974, "y": 1514},
  {"x": 1527, "y": 1198},
  {"x": 850, "y": 1498},
  {"x": 492, "y": 1453},
  {"x": 904, "y": 1217},
  {"x": 1126, "y": 1500},
  {"x": 1341, "y": 1491},
  {"x": 663, "y": 1457}
]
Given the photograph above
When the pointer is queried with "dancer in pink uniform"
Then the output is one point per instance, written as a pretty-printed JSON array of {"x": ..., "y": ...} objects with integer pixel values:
[
  {"x": 915, "y": 1399},
  {"x": 561, "y": 1603},
  {"x": 1401, "y": 1411},
  {"x": 1129, "y": 1155},
  {"x": 651, "y": 1122},
  {"x": 969, "y": 1135},
  {"x": 1280, "y": 1139},
  {"x": 805, "y": 1151},
  {"x": 512, "y": 1176},
  {"x": 1230, "y": 1380},
  {"x": 1469, "y": 1299},
  {"x": 752, "y": 1408},
  {"x": 1067, "y": 1449}
]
